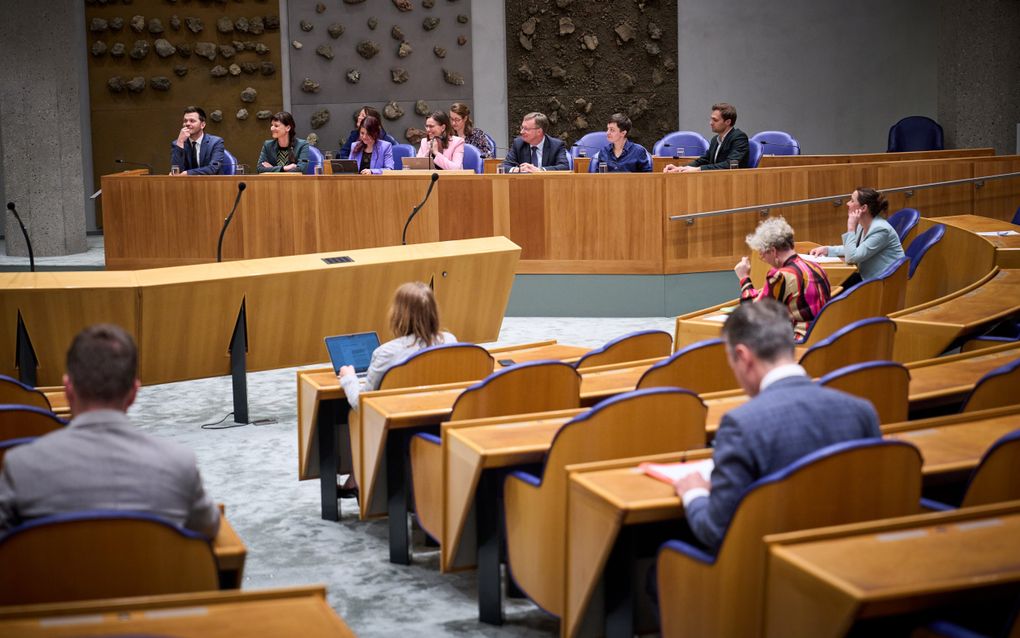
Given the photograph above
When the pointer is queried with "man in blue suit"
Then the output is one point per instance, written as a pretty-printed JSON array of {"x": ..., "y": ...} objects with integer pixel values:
[
  {"x": 789, "y": 416},
  {"x": 194, "y": 151},
  {"x": 533, "y": 151}
]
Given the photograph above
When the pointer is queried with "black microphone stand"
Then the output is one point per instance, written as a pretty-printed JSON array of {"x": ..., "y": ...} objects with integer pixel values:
[
  {"x": 122, "y": 161},
  {"x": 226, "y": 222},
  {"x": 403, "y": 235},
  {"x": 28, "y": 242}
]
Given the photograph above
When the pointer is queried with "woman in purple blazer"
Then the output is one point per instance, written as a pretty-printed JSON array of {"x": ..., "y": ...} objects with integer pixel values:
[{"x": 371, "y": 153}]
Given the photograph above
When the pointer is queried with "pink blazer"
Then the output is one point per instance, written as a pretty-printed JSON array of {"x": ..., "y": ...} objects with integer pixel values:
[{"x": 451, "y": 159}]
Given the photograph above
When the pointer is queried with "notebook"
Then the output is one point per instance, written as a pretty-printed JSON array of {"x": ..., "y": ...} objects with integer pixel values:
[
  {"x": 352, "y": 350},
  {"x": 673, "y": 472},
  {"x": 418, "y": 163}
]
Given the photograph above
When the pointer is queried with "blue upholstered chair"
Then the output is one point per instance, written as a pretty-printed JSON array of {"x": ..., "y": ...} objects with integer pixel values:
[
  {"x": 15, "y": 392},
  {"x": 643, "y": 344},
  {"x": 314, "y": 159},
  {"x": 102, "y": 554},
  {"x": 776, "y": 143},
  {"x": 590, "y": 143},
  {"x": 995, "y": 389},
  {"x": 996, "y": 479},
  {"x": 1016, "y": 216},
  {"x": 753, "y": 153},
  {"x": 492, "y": 145},
  {"x": 868, "y": 339},
  {"x": 400, "y": 151},
  {"x": 473, "y": 158},
  {"x": 691, "y": 142},
  {"x": 701, "y": 594},
  {"x": 886, "y": 384},
  {"x": 857, "y": 302},
  {"x": 915, "y": 133},
  {"x": 445, "y": 363},
  {"x": 922, "y": 244},
  {"x": 229, "y": 163},
  {"x": 18, "y": 421},
  {"x": 700, "y": 367},
  {"x": 903, "y": 221}
]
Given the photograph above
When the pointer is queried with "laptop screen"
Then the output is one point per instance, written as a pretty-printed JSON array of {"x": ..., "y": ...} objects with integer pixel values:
[{"x": 352, "y": 350}]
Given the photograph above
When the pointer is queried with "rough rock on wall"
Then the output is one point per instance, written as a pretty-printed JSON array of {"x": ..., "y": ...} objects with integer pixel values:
[{"x": 580, "y": 62}]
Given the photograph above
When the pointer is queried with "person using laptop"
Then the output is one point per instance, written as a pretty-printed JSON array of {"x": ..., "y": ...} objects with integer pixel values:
[
  {"x": 440, "y": 144},
  {"x": 371, "y": 153}
]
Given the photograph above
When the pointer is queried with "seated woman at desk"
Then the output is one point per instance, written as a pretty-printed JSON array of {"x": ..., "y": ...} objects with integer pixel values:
[
  {"x": 445, "y": 148},
  {"x": 463, "y": 126},
  {"x": 869, "y": 241},
  {"x": 414, "y": 320},
  {"x": 285, "y": 152},
  {"x": 352, "y": 137},
  {"x": 800, "y": 285},
  {"x": 620, "y": 155},
  {"x": 371, "y": 153}
]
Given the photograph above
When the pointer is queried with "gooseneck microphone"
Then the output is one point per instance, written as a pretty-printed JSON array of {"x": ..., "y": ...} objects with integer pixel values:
[
  {"x": 765, "y": 144},
  {"x": 130, "y": 163},
  {"x": 584, "y": 148},
  {"x": 28, "y": 242},
  {"x": 226, "y": 222},
  {"x": 684, "y": 148},
  {"x": 403, "y": 235}
]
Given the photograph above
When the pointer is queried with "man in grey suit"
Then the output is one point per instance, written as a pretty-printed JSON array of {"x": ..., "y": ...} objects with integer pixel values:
[
  {"x": 788, "y": 417},
  {"x": 100, "y": 461}
]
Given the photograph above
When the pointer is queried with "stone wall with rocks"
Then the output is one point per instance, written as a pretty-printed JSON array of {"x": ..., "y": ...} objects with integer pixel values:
[
  {"x": 581, "y": 61},
  {"x": 404, "y": 57},
  {"x": 148, "y": 59}
]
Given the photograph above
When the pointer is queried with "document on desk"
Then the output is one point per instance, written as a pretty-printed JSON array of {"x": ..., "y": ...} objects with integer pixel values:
[
  {"x": 818, "y": 259},
  {"x": 999, "y": 233},
  {"x": 673, "y": 472}
]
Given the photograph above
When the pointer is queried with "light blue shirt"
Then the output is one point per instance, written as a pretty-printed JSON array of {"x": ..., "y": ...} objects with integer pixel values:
[{"x": 873, "y": 253}]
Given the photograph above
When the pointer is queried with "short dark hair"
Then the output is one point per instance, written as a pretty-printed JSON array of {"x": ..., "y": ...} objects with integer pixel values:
[
  {"x": 102, "y": 363},
  {"x": 372, "y": 126},
  {"x": 763, "y": 326},
  {"x": 195, "y": 109},
  {"x": 369, "y": 112},
  {"x": 874, "y": 200},
  {"x": 622, "y": 122},
  {"x": 727, "y": 111}
]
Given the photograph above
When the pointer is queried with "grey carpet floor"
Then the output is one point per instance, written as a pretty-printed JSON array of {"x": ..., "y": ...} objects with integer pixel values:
[{"x": 253, "y": 471}]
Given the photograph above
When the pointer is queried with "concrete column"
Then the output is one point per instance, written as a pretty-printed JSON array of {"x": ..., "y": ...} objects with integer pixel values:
[
  {"x": 488, "y": 31},
  {"x": 44, "y": 126}
]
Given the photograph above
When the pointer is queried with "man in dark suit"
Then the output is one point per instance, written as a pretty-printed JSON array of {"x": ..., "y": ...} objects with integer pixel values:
[
  {"x": 728, "y": 144},
  {"x": 533, "y": 151},
  {"x": 99, "y": 460},
  {"x": 194, "y": 151},
  {"x": 788, "y": 417}
]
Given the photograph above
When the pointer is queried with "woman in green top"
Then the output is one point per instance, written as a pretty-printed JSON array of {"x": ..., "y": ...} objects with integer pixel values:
[{"x": 285, "y": 152}]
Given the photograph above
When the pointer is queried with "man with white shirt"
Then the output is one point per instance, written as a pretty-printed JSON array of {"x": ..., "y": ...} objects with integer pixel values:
[
  {"x": 729, "y": 144},
  {"x": 194, "y": 151},
  {"x": 533, "y": 151},
  {"x": 788, "y": 417}
]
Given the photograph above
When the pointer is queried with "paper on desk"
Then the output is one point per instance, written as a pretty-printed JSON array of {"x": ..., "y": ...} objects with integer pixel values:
[
  {"x": 673, "y": 472},
  {"x": 998, "y": 233},
  {"x": 818, "y": 259},
  {"x": 717, "y": 318}
]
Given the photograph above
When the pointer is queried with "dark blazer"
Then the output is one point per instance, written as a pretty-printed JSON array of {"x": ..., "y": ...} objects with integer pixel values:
[
  {"x": 735, "y": 146},
  {"x": 268, "y": 154},
  {"x": 211, "y": 158},
  {"x": 352, "y": 137},
  {"x": 791, "y": 418},
  {"x": 382, "y": 156},
  {"x": 554, "y": 155}
]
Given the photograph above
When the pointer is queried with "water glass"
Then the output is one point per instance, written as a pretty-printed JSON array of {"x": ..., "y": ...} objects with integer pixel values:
[
  {"x": 318, "y": 169},
  {"x": 734, "y": 164},
  {"x": 500, "y": 169},
  {"x": 679, "y": 152},
  {"x": 328, "y": 155},
  {"x": 603, "y": 167},
  {"x": 239, "y": 169},
  {"x": 175, "y": 170}
]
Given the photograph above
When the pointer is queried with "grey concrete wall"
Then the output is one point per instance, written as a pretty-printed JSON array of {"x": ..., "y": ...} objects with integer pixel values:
[
  {"x": 836, "y": 75},
  {"x": 489, "y": 108},
  {"x": 979, "y": 73},
  {"x": 42, "y": 90}
]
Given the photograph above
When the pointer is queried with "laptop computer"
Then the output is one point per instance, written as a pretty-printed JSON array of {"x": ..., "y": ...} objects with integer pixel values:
[
  {"x": 344, "y": 166},
  {"x": 418, "y": 163},
  {"x": 352, "y": 350}
]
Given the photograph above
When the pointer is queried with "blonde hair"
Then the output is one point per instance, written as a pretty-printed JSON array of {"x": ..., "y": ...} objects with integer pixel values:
[
  {"x": 414, "y": 312},
  {"x": 771, "y": 233}
]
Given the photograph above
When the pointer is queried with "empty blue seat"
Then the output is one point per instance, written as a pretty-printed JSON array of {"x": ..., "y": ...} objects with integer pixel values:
[
  {"x": 776, "y": 143},
  {"x": 915, "y": 133},
  {"x": 314, "y": 160},
  {"x": 690, "y": 142}
]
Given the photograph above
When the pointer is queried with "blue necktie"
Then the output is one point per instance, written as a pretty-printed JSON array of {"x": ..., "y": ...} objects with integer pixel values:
[{"x": 534, "y": 156}]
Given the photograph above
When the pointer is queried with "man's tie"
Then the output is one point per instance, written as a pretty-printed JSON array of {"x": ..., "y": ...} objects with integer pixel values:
[
  {"x": 198, "y": 154},
  {"x": 534, "y": 156}
]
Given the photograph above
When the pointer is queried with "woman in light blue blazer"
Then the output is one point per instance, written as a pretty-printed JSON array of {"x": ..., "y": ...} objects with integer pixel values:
[
  {"x": 869, "y": 241},
  {"x": 371, "y": 153}
]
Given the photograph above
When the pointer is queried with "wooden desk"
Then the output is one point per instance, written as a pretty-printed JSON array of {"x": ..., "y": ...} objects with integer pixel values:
[
  {"x": 1007, "y": 248},
  {"x": 603, "y": 502},
  {"x": 266, "y": 613},
  {"x": 947, "y": 380},
  {"x": 821, "y": 581},
  {"x": 769, "y": 161},
  {"x": 183, "y": 318}
]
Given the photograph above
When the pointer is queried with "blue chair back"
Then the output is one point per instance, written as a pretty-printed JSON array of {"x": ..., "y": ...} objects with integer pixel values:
[
  {"x": 776, "y": 143},
  {"x": 314, "y": 159},
  {"x": 921, "y": 244},
  {"x": 692, "y": 143},
  {"x": 492, "y": 145},
  {"x": 389, "y": 138},
  {"x": 229, "y": 163},
  {"x": 590, "y": 143},
  {"x": 473, "y": 158},
  {"x": 18, "y": 421},
  {"x": 753, "y": 154},
  {"x": 915, "y": 133},
  {"x": 400, "y": 151},
  {"x": 1016, "y": 216},
  {"x": 903, "y": 221}
]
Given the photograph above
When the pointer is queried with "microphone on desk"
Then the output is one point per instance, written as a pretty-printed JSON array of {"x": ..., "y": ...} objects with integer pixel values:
[
  {"x": 584, "y": 148},
  {"x": 764, "y": 144},
  {"x": 130, "y": 163},
  {"x": 226, "y": 222},
  {"x": 28, "y": 242},
  {"x": 432, "y": 183},
  {"x": 684, "y": 148}
]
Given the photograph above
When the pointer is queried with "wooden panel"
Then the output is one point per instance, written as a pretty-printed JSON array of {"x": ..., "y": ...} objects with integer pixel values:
[
  {"x": 932, "y": 202},
  {"x": 769, "y": 161},
  {"x": 998, "y": 198},
  {"x": 472, "y": 199}
]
